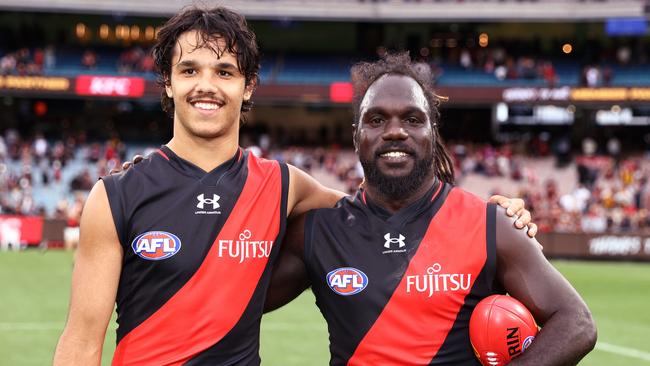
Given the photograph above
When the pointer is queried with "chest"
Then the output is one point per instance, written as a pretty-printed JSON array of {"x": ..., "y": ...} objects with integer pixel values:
[{"x": 421, "y": 261}]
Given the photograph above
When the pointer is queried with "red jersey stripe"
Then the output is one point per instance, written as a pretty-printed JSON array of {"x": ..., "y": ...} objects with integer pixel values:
[
  {"x": 414, "y": 324},
  {"x": 223, "y": 286}
]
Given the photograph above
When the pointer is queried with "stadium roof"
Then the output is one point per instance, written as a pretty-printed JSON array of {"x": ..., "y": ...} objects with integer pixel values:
[{"x": 370, "y": 10}]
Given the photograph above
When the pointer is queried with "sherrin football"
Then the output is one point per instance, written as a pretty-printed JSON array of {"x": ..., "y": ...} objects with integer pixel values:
[{"x": 500, "y": 329}]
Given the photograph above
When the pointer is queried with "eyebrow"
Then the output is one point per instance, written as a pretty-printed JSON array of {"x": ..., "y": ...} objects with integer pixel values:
[
  {"x": 217, "y": 65},
  {"x": 408, "y": 110},
  {"x": 414, "y": 110}
]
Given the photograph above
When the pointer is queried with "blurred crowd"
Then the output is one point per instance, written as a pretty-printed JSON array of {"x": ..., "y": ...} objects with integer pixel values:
[
  {"x": 518, "y": 62},
  {"x": 611, "y": 192},
  {"x": 505, "y": 66},
  {"x": 33, "y": 170},
  {"x": 609, "y": 197},
  {"x": 37, "y": 61},
  {"x": 27, "y": 62}
]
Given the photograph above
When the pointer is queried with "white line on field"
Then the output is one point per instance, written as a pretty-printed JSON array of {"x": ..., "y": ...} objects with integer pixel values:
[{"x": 623, "y": 351}]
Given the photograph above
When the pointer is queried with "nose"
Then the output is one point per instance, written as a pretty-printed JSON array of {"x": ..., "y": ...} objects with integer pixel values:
[
  {"x": 207, "y": 83},
  {"x": 394, "y": 130}
]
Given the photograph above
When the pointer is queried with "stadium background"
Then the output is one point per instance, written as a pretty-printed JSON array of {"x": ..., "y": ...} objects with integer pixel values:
[{"x": 549, "y": 100}]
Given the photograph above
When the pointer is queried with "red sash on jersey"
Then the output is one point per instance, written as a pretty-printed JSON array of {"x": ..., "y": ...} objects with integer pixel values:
[
  {"x": 413, "y": 326},
  {"x": 221, "y": 286}
]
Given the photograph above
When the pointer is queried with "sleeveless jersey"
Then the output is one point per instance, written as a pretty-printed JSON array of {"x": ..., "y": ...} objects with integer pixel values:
[
  {"x": 198, "y": 250},
  {"x": 399, "y": 289}
]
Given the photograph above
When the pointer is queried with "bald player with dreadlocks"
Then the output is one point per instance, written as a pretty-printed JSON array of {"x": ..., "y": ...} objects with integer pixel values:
[{"x": 398, "y": 268}]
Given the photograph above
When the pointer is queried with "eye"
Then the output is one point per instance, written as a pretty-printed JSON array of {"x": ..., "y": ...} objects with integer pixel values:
[
  {"x": 225, "y": 74},
  {"x": 413, "y": 120},
  {"x": 376, "y": 120},
  {"x": 188, "y": 72}
]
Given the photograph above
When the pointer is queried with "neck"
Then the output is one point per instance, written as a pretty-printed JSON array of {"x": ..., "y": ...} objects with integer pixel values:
[
  {"x": 392, "y": 204},
  {"x": 207, "y": 154}
]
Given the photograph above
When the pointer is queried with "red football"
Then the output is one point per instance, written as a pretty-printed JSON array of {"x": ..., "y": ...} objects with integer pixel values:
[{"x": 500, "y": 329}]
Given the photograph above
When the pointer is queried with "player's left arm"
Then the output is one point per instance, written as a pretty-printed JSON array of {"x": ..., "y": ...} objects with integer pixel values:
[
  {"x": 289, "y": 275},
  {"x": 568, "y": 330},
  {"x": 306, "y": 193}
]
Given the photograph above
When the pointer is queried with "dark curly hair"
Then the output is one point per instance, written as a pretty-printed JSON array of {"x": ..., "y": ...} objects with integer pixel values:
[
  {"x": 364, "y": 74},
  {"x": 210, "y": 24}
]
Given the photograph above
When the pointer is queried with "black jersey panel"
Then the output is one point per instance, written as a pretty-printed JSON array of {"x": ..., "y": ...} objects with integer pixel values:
[
  {"x": 172, "y": 217},
  {"x": 154, "y": 196},
  {"x": 348, "y": 250}
]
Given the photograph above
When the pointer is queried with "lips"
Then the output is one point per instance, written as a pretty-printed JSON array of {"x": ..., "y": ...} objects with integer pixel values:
[
  {"x": 395, "y": 152},
  {"x": 206, "y": 104}
]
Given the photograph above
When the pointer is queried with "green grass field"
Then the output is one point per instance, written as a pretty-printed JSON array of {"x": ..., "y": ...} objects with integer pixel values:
[{"x": 34, "y": 290}]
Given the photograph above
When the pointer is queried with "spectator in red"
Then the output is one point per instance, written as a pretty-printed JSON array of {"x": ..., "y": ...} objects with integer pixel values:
[
  {"x": 548, "y": 73},
  {"x": 89, "y": 60}
]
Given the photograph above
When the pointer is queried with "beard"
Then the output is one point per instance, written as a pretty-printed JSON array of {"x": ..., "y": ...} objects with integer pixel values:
[{"x": 398, "y": 187}]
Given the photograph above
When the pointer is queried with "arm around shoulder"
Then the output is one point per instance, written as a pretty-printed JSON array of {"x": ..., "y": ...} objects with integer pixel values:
[
  {"x": 95, "y": 279},
  {"x": 289, "y": 275},
  {"x": 568, "y": 329},
  {"x": 306, "y": 193}
]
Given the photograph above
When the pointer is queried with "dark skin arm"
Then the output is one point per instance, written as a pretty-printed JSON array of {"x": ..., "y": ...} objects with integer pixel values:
[
  {"x": 568, "y": 332},
  {"x": 289, "y": 276}
]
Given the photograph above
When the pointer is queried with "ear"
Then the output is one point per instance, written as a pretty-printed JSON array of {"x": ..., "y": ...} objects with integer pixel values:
[
  {"x": 355, "y": 135},
  {"x": 168, "y": 87},
  {"x": 249, "y": 89}
]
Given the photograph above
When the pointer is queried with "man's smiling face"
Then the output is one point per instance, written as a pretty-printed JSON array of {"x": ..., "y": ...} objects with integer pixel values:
[
  {"x": 394, "y": 136},
  {"x": 207, "y": 87}
]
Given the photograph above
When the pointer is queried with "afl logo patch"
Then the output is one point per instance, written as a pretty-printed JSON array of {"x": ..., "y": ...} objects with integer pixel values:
[
  {"x": 156, "y": 245},
  {"x": 347, "y": 281},
  {"x": 527, "y": 343}
]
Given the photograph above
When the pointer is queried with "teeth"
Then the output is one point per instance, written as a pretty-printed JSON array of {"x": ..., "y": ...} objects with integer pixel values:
[
  {"x": 203, "y": 105},
  {"x": 394, "y": 154}
]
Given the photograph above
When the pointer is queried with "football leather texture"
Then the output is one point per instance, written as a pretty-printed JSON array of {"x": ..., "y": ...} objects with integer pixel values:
[{"x": 500, "y": 329}]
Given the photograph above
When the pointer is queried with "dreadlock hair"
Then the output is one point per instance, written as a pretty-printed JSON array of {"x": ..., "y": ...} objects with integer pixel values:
[
  {"x": 210, "y": 25},
  {"x": 364, "y": 74}
]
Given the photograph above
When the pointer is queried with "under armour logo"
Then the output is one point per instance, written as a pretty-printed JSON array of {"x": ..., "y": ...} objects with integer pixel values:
[
  {"x": 202, "y": 201},
  {"x": 389, "y": 240}
]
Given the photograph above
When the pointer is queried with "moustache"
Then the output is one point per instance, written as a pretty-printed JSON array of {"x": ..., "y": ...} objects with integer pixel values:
[{"x": 206, "y": 97}]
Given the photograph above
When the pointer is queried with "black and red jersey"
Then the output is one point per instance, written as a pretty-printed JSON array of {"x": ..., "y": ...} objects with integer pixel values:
[
  {"x": 399, "y": 289},
  {"x": 198, "y": 250}
]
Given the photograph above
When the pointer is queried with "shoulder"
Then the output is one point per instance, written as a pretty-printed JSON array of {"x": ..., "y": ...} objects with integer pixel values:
[
  {"x": 260, "y": 161},
  {"x": 306, "y": 193},
  {"x": 511, "y": 241},
  {"x": 96, "y": 212},
  {"x": 267, "y": 169},
  {"x": 152, "y": 164},
  {"x": 461, "y": 206},
  {"x": 97, "y": 193},
  {"x": 346, "y": 211},
  {"x": 461, "y": 196}
]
